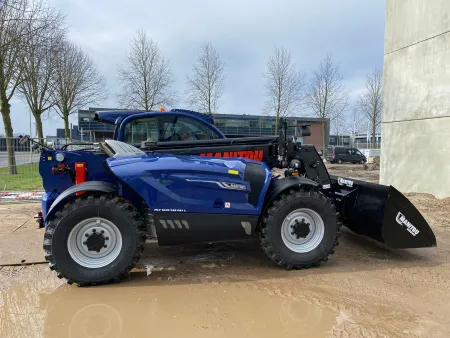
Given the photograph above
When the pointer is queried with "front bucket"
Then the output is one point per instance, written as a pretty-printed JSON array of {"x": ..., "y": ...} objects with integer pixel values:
[{"x": 382, "y": 213}]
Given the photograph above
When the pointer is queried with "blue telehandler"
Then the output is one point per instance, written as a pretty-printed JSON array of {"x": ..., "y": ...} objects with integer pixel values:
[{"x": 101, "y": 202}]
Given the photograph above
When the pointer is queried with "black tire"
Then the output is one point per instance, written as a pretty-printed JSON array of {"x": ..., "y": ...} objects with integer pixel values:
[
  {"x": 112, "y": 208},
  {"x": 270, "y": 234},
  {"x": 362, "y": 162}
]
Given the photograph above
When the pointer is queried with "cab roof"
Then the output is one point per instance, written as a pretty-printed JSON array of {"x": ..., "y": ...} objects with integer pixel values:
[{"x": 111, "y": 116}]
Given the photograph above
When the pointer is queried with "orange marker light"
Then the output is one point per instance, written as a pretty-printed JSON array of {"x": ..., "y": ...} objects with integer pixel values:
[
  {"x": 80, "y": 174},
  {"x": 162, "y": 109}
]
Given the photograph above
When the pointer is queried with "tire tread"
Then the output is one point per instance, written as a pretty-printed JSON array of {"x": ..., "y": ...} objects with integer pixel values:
[
  {"x": 112, "y": 201},
  {"x": 267, "y": 222}
]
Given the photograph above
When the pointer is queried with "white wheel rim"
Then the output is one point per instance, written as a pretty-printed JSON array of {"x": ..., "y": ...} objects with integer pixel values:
[
  {"x": 99, "y": 231},
  {"x": 302, "y": 222}
]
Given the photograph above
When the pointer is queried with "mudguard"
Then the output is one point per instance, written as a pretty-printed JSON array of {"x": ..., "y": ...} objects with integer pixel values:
[
  {"x": 382, "y": 213},
  {"x": 280, "y": 185},
  {"x": 86, "y": 186}
]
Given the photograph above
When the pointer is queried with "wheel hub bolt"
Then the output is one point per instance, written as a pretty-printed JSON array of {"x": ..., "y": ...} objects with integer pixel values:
[
  {"x": 86, "y": 235},
  {"x": 94, "y": 231},
  {"x": 105, "y": 246},
  {"x": 85, "y": 243},
  {"x": 107, "y": 238},
  {"x": 102, "y": 232}
]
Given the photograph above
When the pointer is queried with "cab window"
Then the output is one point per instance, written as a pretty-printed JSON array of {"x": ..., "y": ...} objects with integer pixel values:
[
  {"x": 166, "y": 129},
  {"x": 140, "y": 130},
  {"x": 187, "y": 129}
]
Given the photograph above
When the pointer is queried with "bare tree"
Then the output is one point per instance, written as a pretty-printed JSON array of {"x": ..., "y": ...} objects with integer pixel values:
[
  {"x": 76, "y": 82},
  {"x": 38, "y": 67},
  {"x": 146, "y": 77},
  {"x": 357, "y": 120},
  {"x": 371, "y": 102},
  {"x": 284, "y": 86},
  {"x": 205, "y": 87},
  {"x": 19, "y": 21},
  {"x": 340, "y": 126},
  {"x": 327, "y": 97}
]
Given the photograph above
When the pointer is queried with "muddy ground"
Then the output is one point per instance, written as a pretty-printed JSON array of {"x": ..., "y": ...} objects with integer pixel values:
[{"x": 224, "y": 290}]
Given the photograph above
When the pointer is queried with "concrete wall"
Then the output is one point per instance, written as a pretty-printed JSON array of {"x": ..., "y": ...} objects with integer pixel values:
[{"x": 415, "y": 152}]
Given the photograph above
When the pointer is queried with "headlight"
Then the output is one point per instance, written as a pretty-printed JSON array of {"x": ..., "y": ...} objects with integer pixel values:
[{"x": 60, "y": 157}]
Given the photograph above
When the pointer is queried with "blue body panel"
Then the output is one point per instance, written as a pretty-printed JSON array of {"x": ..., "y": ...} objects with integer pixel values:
[
  {"x": 167, "y": 183},
  {"x": 189, "y": 183},
  {"x": 56, "y": 184}
]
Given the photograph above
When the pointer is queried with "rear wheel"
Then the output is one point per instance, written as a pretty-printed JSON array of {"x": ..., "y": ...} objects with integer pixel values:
[
  {"x": 299, "y": 229},
  {"x": 339, "y": 161},
  {"x": 94, "y": 239}
]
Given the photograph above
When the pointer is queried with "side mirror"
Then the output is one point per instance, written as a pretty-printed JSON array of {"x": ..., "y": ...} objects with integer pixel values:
[
  {"x": 24, "y": 139},
  {"x": 304, "y": 130}
]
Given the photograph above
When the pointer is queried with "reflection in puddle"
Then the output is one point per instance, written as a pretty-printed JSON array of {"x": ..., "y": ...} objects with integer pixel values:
[{"x": 163, "y": 310}]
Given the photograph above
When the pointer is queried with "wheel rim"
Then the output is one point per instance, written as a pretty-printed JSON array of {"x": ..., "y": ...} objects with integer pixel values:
[
  {"x": 302, "y": 230},
  {"x": 94, "y": 242}
]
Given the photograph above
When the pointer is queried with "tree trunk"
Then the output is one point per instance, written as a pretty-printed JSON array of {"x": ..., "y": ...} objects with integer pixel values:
[
  {"x": 39, "y": 130},
  {"x": 323, "y": 137},
  {"x": 374, "y": 127},
  {"x": 10, "y": 142},
  {"x": 277, "y": 117},
  {"x": 66, "y": 126}
]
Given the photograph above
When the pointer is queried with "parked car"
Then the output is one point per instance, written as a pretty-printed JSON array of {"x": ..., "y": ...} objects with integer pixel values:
[{"x": 345, "y": 154}]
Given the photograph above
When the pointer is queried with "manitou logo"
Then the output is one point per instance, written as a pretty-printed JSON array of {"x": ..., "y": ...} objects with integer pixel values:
[
  {"x": 250, "y": 154},
  {"x": 344, "y": 181},
  {"x": 401, "y": 219}
]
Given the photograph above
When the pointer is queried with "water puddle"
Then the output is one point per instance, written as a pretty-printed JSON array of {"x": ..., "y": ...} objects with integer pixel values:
[{"x": 157, "y": 309}]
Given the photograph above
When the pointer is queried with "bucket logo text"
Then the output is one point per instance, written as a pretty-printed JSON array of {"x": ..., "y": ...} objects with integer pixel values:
[{"x": 401, "y": 219}]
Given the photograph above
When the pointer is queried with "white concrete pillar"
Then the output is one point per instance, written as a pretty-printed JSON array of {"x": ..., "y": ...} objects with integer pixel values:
[{"x": 415, "y": 147}]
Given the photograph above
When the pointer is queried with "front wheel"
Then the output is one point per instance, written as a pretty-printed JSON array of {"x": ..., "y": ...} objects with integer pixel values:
[
  {"x": 299, "y": 229},
  {"x": 339, "y": 161},
  {"x": 94, "y": 239}
]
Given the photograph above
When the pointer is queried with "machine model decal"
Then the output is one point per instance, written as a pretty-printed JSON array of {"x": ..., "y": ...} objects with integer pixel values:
[
  {"x": 250, "y": 154},
  {"x": 345, "y": 181},
  {"x": 170, "y": 210},
  {"x": 225, "y": 185},
  {"x": 401, "y": 219},
  {"x": 172, "y": 223}
]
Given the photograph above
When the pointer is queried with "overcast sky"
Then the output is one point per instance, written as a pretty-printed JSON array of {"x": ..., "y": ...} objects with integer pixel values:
[{"x": 243, "y": 32}]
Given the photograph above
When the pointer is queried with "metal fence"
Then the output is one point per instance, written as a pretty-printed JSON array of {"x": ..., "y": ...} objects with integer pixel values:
[
  {"x": 365, "y": 145},
  {"x": 19, "y": 172}
]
